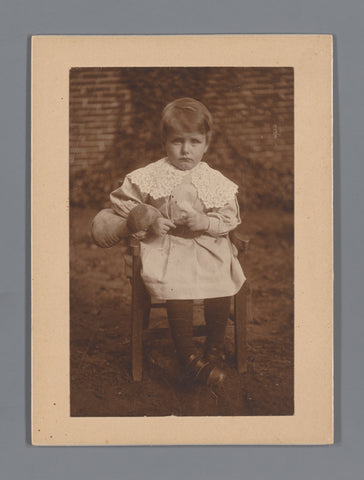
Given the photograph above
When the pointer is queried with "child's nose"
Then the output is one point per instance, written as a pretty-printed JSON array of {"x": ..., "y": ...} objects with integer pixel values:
[{"x": 185, "y": 147}]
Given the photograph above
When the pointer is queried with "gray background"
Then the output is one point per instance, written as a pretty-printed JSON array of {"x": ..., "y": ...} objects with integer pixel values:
[{"x": 20, "y": 19}]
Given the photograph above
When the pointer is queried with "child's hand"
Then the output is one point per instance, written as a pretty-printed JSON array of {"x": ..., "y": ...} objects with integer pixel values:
[
  {"x": 196, "y": 221},
  {"x": 161, "y": 226}
]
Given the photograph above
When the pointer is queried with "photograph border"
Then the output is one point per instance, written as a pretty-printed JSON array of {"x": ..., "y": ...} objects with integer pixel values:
[{"x": 311, "y": 58}]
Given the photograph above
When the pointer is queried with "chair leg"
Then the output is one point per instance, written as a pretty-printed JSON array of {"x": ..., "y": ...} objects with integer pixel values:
[
  {"x": 146, "y": 310},
  {"x": 140, "y": 305},
  {"x": 241, "y": 313}
]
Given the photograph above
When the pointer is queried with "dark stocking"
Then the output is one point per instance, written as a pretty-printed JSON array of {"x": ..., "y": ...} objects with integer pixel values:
[
  {"x": 216, "y": 315},
  {"x": 180, "y": 316}
]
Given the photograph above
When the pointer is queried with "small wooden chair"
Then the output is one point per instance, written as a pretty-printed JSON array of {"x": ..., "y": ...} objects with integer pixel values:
[{"x": 141, "y": 305}]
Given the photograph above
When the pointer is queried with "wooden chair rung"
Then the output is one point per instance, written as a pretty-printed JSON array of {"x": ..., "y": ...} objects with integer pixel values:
[{"x": 158, "y": 305}]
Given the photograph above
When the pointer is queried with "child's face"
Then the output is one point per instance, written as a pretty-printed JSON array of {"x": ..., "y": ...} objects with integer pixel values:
[{"x": 185, "y": 150}]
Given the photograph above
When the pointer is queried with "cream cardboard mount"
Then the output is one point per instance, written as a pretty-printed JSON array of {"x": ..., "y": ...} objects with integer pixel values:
[{"x": 310, "y": 56}]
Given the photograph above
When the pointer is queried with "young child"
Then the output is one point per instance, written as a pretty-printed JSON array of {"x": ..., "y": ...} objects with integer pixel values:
[{"x": 182, "y": 211}]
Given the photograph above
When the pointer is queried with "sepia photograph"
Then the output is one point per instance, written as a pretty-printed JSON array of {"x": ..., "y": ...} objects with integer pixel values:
[{"x": 181, "y": 241}]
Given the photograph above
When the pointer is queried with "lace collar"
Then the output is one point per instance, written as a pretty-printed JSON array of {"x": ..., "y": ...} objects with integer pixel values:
[{"x": 160, "y": 178}]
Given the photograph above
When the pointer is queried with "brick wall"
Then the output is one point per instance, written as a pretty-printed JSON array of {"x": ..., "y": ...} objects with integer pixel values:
[{"x": 114, "y": 127}]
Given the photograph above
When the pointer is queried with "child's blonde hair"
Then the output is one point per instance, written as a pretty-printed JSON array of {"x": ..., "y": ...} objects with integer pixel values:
[{"x": 186, "y": 115}]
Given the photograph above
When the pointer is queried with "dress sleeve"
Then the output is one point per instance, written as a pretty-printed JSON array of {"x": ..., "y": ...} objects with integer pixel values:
[
  {"x": 126, "y": 197},
  {"x": 224, "y": 219}
]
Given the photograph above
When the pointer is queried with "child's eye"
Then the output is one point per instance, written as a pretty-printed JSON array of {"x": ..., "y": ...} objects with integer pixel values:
[{"x": 195, "y": 141}]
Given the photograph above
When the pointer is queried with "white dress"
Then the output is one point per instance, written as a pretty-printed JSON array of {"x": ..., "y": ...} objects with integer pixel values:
[{"x": 185, "y": 264}]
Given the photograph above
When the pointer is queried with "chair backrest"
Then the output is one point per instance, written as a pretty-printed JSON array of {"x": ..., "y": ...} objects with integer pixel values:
[{"x": 241, "y": 242}]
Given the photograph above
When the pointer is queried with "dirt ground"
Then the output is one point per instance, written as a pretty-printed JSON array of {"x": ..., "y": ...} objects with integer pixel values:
[{"x": 101, "y": 383}]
